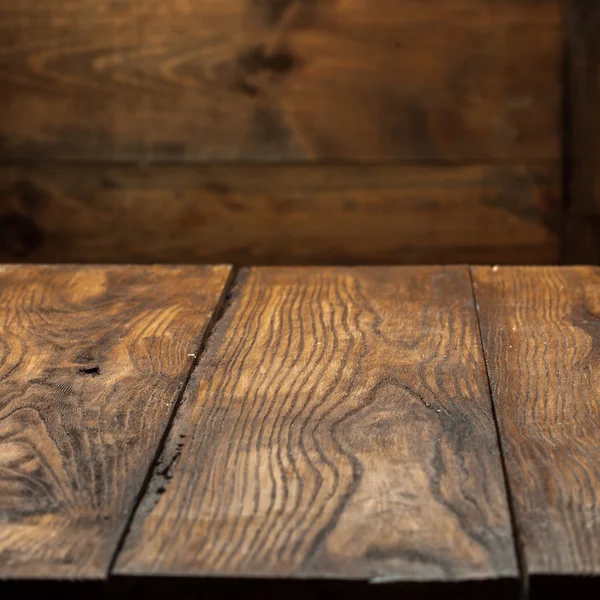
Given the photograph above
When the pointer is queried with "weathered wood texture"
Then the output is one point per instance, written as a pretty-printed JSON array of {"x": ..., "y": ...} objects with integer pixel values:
[
  {"x": 92, "y": 361},
  {"x": 280, "y": 80},
  {"x": 584, "y": 62},
  {"x": 541, "y": 338},
  {"x": 338, "y": 424},
  {"x": 285, "y": 215}
]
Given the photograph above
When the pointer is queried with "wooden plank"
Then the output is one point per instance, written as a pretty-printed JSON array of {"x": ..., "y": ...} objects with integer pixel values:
[
  {"x": 92, "y": 361},
  {"x": 286, "y": 215},
  {"x": 540, "y": 334},
  {"x": 338, "y": 425},
  {"x": 280, "y": 80},
  {"x": 584, "y": 76}
]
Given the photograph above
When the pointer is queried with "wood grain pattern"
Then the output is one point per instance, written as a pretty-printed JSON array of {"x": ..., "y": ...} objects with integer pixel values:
[
  {"x": 338, "y": 425},
  {"x": 541, "y": 338},
  {"x": 92, "y": 361},
  {"x": 280, "y": 215},
  {"x": 280, "y": 80},
  {"x": 584, "y": 81}
]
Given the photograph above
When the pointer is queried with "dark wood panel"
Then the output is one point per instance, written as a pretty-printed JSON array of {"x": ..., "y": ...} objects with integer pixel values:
[
  {"x": 285, "y": 215},
  {"x": 582, "y": 239},
  {"x": 541, "y": 335},
  {"x": 338, "y": 425},
  {"x": 584, "y": 53},
  {"x": 92, "y": 361},
  {"x": 281, "y": 80}
]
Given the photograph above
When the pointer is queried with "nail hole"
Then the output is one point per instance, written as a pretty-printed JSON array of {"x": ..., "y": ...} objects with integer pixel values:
[{"x": 93, "y": 371}]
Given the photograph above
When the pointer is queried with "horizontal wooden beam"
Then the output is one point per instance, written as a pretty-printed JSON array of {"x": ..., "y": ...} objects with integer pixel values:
[
  {"x": 280, "y": 215},
  {"x": 280, "y": 80}
]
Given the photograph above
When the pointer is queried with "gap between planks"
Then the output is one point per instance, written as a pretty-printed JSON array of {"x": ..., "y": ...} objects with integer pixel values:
[
  {"x": 217, "y": 315},
  {"x": 519, "y": 553},
  {"x": 275, "y": 163}
]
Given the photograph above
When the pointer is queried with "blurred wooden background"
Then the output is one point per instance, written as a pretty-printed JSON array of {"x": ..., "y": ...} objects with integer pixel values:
[{"x": 299, "y": 131}]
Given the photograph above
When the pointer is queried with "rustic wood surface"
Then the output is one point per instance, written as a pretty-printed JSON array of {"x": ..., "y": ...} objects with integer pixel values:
[
  {"x": 280, "y": 80},
  {"x": 92, "y": 361},
  {"x": 338, "y": 425},
  {"x": 286, "y": 214},
  {"x": 541, "y": 339},
  {"x": 584, "y": 75}
]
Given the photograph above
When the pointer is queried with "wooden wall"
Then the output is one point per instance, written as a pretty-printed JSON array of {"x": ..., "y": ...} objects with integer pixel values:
[
  {"x": 281, "y": 131},
  {"x": 583, "y": 234}
]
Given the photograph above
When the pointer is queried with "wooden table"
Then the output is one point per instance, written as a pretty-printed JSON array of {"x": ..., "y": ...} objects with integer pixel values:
[{"x": 427, "y": 429}]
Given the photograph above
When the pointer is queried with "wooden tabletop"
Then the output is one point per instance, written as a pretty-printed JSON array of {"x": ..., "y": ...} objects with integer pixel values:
[{"x": 364, "y": 430}]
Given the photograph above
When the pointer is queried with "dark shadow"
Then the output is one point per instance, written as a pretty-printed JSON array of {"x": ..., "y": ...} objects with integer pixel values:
[
  {"x": 214, "y": 589},
  {"x": 555, "y": 587}
]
